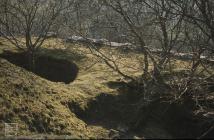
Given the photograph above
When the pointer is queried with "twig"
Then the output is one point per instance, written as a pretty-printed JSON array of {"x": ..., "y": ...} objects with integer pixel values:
[{"x": 206, "y": 132}]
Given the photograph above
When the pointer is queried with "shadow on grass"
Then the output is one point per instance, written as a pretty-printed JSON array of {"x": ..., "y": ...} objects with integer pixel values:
[
  {"x": 49, "y": 64},
  {"x": 62, "y": 54},
  {"x": 128, "y": 114}
]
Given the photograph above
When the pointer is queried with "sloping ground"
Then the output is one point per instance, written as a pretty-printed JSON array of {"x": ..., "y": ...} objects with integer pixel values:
[
  {"x": 42, "y": 108},
  {"x": 95, "y": 105},
  {"x": 37, "y": 105},
  {"x": 46, "y": 109}
]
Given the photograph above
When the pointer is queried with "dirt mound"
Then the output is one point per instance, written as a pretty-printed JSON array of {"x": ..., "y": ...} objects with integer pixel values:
[
  {"x": 36, "y": 104},
  {"x": 53, "y": 69}
]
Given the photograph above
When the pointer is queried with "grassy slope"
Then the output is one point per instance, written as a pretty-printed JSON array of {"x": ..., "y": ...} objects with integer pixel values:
[{"x": 35, "y": 103}]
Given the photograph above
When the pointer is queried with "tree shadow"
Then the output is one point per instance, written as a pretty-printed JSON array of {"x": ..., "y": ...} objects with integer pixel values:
[
  {"x": 128, "y": 114},
  {"x": 47, "y": 66},
  {"x": 61, "y": 54},
  {"x": 109, "y": 111}
]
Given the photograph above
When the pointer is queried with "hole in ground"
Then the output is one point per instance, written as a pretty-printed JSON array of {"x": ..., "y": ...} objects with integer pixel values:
[{"x": 48, "y": 67}]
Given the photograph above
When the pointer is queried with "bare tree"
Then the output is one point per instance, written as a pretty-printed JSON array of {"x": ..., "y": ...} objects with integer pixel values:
[
  {"x": 30, "y": 20},
  {"x": 199, "y": 13},
  {"x": 168, "y": 28},
  {"x": 198, "y": 30},
  {"x": 132, "y": 15}
]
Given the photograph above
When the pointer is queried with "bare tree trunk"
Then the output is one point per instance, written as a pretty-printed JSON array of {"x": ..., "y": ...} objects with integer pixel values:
[
  {"x": 146, "y": 65},
  {"x": 31, "y": 60}
]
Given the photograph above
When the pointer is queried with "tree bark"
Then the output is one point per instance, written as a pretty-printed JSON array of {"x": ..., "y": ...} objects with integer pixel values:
[{"x": 31, "y": 60}]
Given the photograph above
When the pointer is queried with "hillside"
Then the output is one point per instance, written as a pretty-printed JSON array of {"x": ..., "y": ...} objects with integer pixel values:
[
  {"x": 41, "y": 107},
  {"x": 91, "y": 69},
  {"x": 97, "y": 104},
  {"x": 37, "y": 104}
]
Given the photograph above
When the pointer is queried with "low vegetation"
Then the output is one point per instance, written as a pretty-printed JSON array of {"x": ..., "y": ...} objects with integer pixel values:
[
  {"x": 106, "y": 69},
  {"x": 100, "y": 103}
]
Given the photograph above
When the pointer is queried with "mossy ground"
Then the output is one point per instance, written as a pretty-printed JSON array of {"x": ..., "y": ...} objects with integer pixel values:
[{"x": 41, "y": 107}]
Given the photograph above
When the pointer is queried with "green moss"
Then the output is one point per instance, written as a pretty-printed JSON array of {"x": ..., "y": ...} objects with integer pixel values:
[{"x": 61, "y": 54}]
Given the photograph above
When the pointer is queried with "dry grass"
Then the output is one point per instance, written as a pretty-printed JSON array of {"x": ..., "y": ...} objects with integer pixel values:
[{"x": 29, "y": 94}]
